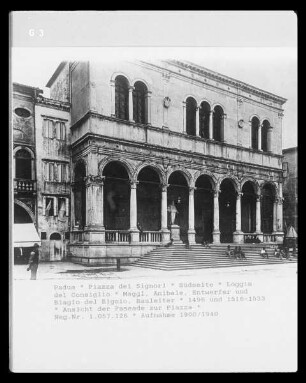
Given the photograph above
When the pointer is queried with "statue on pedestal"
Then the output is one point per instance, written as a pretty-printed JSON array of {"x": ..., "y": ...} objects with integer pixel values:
[{"x": 173, "y": 212}]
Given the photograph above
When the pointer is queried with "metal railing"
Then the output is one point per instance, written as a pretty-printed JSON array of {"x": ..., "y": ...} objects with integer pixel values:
[
  {"x": 150, "y": 236},
  {"x": 117, "y": 236}
]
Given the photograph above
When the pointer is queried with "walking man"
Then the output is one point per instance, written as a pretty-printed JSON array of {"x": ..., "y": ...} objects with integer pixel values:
[{"x": 33, "y": 261}]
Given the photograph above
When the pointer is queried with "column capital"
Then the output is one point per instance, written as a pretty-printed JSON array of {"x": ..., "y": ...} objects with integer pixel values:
[
  {"x": 134, "y": 184},
  {"x": 94, "y": 179},
  {"x": 112, "y": 82},
  {"x": 164, "y": 187},
  {"x": 239, "y": 194},
  {"x": 149, "y": 93},
  {"x": 216, "y": 192},
  {"x": 192, "y": 189},
  {"x": 131, "y": 88}
]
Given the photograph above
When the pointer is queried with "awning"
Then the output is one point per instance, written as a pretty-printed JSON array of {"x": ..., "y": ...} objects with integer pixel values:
[
  {"x": 25, "y": 235},
  {"x": 291, "y": 233}
]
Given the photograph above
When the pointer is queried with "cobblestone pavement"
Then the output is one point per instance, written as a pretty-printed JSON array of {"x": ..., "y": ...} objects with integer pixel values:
[{"x": 70, "y": 271}]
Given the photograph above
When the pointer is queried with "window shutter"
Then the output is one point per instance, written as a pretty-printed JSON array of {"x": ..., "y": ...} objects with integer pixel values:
[
  {"x": 55, "y": 206},
  {"x": 67, "y": 207},
  {"x": 44, "y": 206}
]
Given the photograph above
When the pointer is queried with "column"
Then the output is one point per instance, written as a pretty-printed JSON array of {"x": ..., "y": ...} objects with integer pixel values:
[
  {"x": 250, "y": 134},
  {"x": 275, "y": 203},
  {"x": 238, "y": 234},
  {"x": 258, "y": 214},
  {"x": 269, "y": 139},
  {"x": 211, "y": 121},
  {"x": 280, "y": 215},
  {"x": 134, "y": 232},
  {"x": 95, "y": 231},
  {"x": 216, "y": 232},
  {"x": 113, "y": 98},
  {"x": 164, "y": 214},
  {"x": 131, "y": 88},
  {"x": 184, "y": 117},
  {"x": 198, "y": 121},
  {"x": 191, "y": 231},
  {"x": 148, "y": 107},
  {"x": 259, "y": 137},
  {"x": 223, "y": 118}
]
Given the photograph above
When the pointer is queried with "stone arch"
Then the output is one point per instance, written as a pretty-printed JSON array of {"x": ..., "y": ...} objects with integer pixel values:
[
  {"x": 254, "y": 183},
  {"x": 116, "y": 74},
  {"x": 273, "y": 184},
  {"x": 211, "y": 176},
  {"x": 185, "y": 172},
  {"x": 160, "y": 171},
  {"x": 255, "y": 115},
  {"x": 26, "y": 208},
  {"x": 137, "y": 79},
  {"x": 25, "y": 148},
  {"x": 205, "y": 100},
  {"x": 266, "y": 119},
  {"x": 218, "y": 104},
  {"x": 234, "y": 180},
  {"x": 192, "y": 96},
  {"x": 55, "y": 234},
  {"x": 127, "y": 165}
]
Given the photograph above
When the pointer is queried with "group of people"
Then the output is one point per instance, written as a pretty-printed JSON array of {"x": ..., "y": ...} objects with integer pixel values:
[{"x": 235, "y": 253}]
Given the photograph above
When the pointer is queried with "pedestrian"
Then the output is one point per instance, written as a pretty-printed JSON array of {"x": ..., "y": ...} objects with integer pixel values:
[
  {"x": 229, "y": 253},
  {"x": 241, "y": 253},
  {"x": 33, "y": 261},
  {"x": 264, "y": 253}
]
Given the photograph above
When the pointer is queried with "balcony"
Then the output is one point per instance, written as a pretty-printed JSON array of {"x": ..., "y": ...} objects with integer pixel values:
[{"x": 24, "y": 186}]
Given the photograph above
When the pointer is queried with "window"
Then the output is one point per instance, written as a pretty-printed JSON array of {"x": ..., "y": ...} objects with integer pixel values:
[
  {"x": 43, "y": 235},
  {"x": 23, "y": 164},
  {"x": 121, "y": 98},
  {"x": 255, "y": 127},
  {"x": 139, "y": 102},
  {"x": 67, "y": 235},
  {"x": 204, "y": 120},
  {"x": 56, "y": 172},
  {"x": 55, "y": 237},
  {"x": 264, "y": 135},
  {"x": 218, "y": 123},
  {"x": 285, "y": 169},
  {"x": 22, "y": 112},
  {"x": 49, "y": 207},
  {"x": 62, "y": 207},
  {"x": 191, "y": 109},
  {"x": 54, "y": 129}
]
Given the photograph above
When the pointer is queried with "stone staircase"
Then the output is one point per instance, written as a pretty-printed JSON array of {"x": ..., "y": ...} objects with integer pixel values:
[{"x": 180, "y": 257}]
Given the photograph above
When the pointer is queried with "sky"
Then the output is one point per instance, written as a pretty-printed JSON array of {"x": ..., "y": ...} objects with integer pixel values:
[{"x": 273, "y": 69}]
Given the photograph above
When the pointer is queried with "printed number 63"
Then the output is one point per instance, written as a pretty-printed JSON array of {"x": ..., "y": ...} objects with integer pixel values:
[{"x": 40, "y": 32}]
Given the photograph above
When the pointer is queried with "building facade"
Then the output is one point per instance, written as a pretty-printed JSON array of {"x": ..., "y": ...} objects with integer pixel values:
[
  {"x": 146, "y": 135},
  {"x": 141, "y": 136},
  {"x": 41, "y": 168},
  {"x": 290, "y": 188}
]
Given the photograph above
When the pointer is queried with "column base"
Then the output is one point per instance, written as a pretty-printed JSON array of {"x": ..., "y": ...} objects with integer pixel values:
[
  {"x": 165, "y": 236},
  {"x": 175, "y": 234},
  {"x": 134, "y": 235},
  {"x": 216, "y": 236},
  {"x": 238, "y": 237},
  {"x": 191, "y": 237},
  {"x": 94, "y": 234}
]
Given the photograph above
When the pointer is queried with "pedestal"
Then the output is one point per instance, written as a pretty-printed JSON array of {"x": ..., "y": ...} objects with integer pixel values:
[
  {"x": 238, "y": 237},
  {"x": 175, "y": 234},
  {"x": 165, "y": 236},
  {"x": 216, "y": 236},
  {"x": 279, "y": 236},
  {"x": 94, "y": 234},
  {"x": 191, "y": 237},
  {"x": 134, "y": 235}
]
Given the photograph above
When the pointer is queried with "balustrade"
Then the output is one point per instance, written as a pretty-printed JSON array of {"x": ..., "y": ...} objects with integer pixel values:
[
  {"x": 117, "y": 236},
  {"x": 150, "y": 236},
  {"x": 22, "y": 185}
]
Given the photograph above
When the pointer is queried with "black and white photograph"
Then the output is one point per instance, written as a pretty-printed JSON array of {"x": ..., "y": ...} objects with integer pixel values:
[{"x": 154, "y": 223}]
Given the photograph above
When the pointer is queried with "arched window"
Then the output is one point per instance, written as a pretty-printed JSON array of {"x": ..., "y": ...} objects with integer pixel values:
[
  {"x": 139, "y": 102},
  {"x": 23, "y": 164},
  {"x": 264, "y": 135},
  {"x": 255, "y": 127},
  {"x": 122, "y": 98},
  {"x": 218, "y": 123},
  {"x": 55, "y": 237},
  {"x": 204, "y": 119},
  {"x": 191, "y": 109}
]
